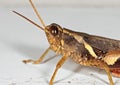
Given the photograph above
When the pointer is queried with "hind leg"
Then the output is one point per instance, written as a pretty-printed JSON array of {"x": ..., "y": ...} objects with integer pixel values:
[
  {"x": 115, "y": 72},
  {"x": 102, "y": 65},
  {"x": 112, "y": 59}
]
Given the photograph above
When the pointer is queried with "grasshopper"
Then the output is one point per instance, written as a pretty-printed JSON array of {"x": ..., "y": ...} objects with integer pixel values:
[{"x": 83, "y": 48}]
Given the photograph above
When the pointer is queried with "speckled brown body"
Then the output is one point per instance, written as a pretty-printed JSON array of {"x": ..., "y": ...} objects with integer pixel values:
[{"x": 100, "y": 45}]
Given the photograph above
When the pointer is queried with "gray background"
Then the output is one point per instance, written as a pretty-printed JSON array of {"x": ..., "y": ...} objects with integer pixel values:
[
  {"x": 21, "y": 40},
  {"x": 63, "y": 2}
]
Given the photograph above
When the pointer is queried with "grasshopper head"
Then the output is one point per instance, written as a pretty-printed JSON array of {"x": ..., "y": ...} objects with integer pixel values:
[{"x": 54, "y": 35}]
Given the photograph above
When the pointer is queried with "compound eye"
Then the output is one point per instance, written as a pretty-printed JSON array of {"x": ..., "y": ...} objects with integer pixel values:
[{"x": 54, "y": 30}]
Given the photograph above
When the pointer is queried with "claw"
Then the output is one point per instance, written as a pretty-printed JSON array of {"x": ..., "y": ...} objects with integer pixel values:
[{"x": 27, "y": 61}]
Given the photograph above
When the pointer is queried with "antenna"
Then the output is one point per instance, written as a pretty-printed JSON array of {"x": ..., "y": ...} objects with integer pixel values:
[
  {"x": 28, "y": 20},
  {"x": 38, "y": 15}
]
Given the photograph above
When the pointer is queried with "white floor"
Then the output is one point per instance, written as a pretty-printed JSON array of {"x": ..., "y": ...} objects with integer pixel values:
[{"x": 20, "y": 40}]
